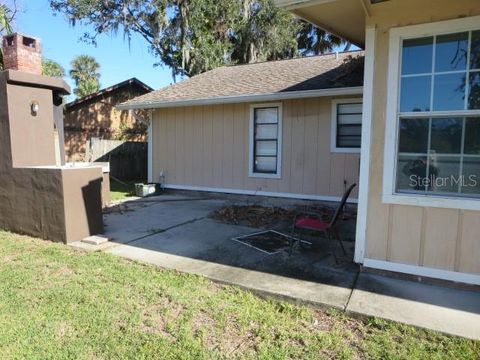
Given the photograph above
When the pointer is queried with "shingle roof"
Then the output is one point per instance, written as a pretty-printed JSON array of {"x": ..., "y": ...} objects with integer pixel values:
[
  {"x": 129, "y": 82},
  {"x": 274, "y": 77}
]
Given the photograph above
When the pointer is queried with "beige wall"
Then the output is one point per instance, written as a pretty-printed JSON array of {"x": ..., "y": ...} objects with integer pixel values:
[
  {"x": 208, "y": 146},
  {"x": 432, "y": 237}
]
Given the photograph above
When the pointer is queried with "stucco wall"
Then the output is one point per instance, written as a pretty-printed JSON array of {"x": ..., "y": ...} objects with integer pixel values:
[
  {"x": 446, "y": 239},
  {"x": 208, "y": 146},
  {"x": 45, "y": 201}
]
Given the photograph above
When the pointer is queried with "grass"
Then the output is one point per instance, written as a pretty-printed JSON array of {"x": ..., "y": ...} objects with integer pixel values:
[
  {"x": 121, "y": 190},
  {"x": 56, "y": 303}
]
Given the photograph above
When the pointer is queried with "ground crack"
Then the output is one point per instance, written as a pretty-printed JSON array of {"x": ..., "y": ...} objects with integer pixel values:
[
  {"x": 159, "y": 231},
  {"x": 351, "y": 291}
]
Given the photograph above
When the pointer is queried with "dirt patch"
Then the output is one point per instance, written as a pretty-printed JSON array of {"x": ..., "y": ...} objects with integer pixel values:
[
  {"x": 281, "y": 219},
  {"x": 155, "y": 319},
  {"x": 10, "y": 258},
  {"x": 229, "y": 339},
  {"x": 119, "y": 208},
  {"x": 64, "y": 330},
  {"x": 64, "y": 271},
  {"x": 260, "y": 216}
]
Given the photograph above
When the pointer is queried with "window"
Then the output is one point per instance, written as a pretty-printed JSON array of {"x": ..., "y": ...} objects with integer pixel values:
[
  {"x": 433, "y": 113},
  {"x": 346, "y": 125},
  {"x": 265, "y": 140}
]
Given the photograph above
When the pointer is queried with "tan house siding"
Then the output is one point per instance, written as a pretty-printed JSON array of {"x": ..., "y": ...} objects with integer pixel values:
[
  {"x": 208, "y": 146},
  {"x": 432, "y": 237}
]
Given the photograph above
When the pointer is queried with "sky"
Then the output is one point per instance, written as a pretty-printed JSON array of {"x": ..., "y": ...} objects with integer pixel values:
[{"x": 61, "y": 42}]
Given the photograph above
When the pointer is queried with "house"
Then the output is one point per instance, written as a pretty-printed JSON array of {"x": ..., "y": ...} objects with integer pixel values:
[
  {"x": 282, "y": 129},
  {"x": 288, "y": 128},
  {"x": 419, "y": 199},
  {"x": 95, "y": 115}
]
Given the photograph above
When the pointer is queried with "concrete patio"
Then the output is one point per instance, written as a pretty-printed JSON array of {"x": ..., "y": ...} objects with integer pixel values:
[{"x": 175, "y": 231}]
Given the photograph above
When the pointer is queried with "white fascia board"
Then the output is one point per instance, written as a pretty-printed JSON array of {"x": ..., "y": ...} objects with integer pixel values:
[
  {"x": 295, "y": 4},
  {"x": 288, "y": 95}
]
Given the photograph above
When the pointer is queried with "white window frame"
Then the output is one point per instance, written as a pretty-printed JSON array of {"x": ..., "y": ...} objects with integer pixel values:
[
  {"x": 251, "y": 172},
  {"x": 333, "y": 133},
  {"x": 389, "y": 195}
]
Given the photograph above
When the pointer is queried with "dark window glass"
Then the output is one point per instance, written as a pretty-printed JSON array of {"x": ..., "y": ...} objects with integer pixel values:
[
  {"x": 413, "y": 135},
  {"x": 446, "y": 136},
  {"x": 472, "y": 136},
  {"x": 415, "y": 93},
  {"x": 451, "y": 52},
  {"x": 440, "y": 155},
  {"x": 444, "y": 170},
  {"x": 475, "y": 50},
  {"x": 411, "y": 172},
  {"x": 444, "y": 174},
  {"x": 449, "y": 92},
  {"x": 474, "y": 91},
  {"x": 417, "y": 56},
  {"x": 471, "y": 175},
  {"x": 349, "y": 136}
]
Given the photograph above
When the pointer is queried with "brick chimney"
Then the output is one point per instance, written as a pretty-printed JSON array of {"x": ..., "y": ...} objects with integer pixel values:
[{"x": 22, "y": 53}]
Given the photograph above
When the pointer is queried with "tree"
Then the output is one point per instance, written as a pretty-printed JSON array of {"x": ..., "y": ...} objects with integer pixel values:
[
  {"x": 7, "y": 16},
  {"x": 85, "y": 74},
  {"x": 313, "y": 40},
  {"x": 52, "y": 68},
  {"x": 86, "y": 87},
  {"x": 193, "y": 36}
]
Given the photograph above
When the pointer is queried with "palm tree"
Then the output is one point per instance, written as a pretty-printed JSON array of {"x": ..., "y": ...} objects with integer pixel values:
[
  {"x": 85, "y": 74},
  {"x": 314, "y": 41},
  {"x": 6, "y": 19}
]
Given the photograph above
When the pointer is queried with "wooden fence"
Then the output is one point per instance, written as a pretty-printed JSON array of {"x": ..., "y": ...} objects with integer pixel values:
[{"x": 128, "y": 159}]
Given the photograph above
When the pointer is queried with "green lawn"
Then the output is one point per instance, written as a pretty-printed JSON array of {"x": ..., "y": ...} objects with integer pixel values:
[
  {"x": 56, "y": 303},
  {"x": 121, "y": 191}
]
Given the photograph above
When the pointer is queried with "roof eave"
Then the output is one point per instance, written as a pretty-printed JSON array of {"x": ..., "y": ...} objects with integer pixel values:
[
  {"x": 108, "y": 90},
  {"x": 332, "y": 15},
  {"x": 288, "y": 95}
]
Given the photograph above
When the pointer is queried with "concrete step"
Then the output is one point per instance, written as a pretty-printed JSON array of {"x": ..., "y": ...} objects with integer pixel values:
[{"x": 95, "y": 240}]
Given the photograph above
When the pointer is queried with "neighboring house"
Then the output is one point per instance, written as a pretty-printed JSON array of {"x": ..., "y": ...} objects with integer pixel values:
[
  {"x": 95, "y": 115},
  {"x": 419, "y": 200},
  {"x": 287, "y": 128}
]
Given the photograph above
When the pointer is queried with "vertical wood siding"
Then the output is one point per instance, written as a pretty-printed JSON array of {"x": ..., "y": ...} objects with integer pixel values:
[
  {"x": 432, "y": 237},
  {"x": 208, "y": 146}
]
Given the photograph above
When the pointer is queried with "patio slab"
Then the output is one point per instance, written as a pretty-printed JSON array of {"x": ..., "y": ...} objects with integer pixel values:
[
  {"x": 176, "y": 233},
  {"x": 448, "y": 310},
  {"x": 144, "y": 217}
]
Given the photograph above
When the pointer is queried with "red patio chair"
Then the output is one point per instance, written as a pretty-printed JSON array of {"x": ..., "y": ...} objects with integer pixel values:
[{"x": 314, "y": 222}]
